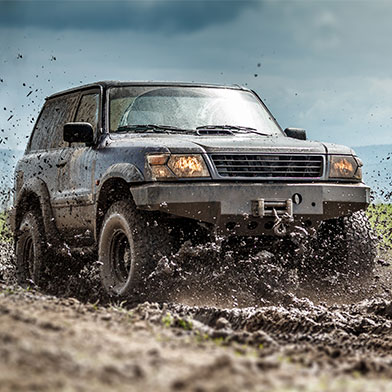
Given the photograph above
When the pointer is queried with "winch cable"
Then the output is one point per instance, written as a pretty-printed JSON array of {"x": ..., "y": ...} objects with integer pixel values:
[{"x": 279, "y": 226}]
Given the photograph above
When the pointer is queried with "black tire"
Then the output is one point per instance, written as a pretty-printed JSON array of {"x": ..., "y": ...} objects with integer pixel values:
[
  {"x": 30, "y": 250},
  {"x": 130, "y": 244},
  {"x": 345, "y": 251}
]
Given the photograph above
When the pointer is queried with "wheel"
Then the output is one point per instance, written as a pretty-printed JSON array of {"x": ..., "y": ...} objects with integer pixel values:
[
  {"x": 345, "y": 250},
  {"x": 130, "y": 244},
  {"x": 30, "y": 250}
]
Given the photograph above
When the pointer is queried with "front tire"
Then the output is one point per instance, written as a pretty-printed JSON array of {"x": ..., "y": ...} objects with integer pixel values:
[
  {"x": 345, "y": 251},
  {"x": 131, "y": 242}
]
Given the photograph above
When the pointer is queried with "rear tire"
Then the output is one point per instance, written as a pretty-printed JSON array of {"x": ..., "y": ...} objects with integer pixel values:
[
  {"x": 131, "y": 242},
  {"x": 30, "y": 250}
]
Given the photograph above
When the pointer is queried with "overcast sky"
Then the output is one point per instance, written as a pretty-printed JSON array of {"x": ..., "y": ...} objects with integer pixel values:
[{"x": 325, "y": 66}]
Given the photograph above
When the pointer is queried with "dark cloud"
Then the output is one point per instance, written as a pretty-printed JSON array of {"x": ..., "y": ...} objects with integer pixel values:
[{"x": 150, "y": 15}]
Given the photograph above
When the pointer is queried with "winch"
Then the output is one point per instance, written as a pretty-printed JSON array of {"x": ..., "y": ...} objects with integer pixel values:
[{"x": 281, "y": 210}]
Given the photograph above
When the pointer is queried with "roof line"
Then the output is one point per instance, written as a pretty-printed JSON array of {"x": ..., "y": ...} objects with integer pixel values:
[{"x": 112, "y": 83}]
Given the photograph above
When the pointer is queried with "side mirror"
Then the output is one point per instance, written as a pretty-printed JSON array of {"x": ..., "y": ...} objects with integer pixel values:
[
  {"x": 78, "y": 132},
  {"x": 295, "y": 133}
]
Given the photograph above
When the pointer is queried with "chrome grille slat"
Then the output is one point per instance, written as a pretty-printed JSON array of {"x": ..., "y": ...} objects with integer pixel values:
[
  {"x": 263, "y": 160},
  {"x": 264, "y": 171},
  {"x": 274, "y": 166},
  {"x": 268, "y": 166}
]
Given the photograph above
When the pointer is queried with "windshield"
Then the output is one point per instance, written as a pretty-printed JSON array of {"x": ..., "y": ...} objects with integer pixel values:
[{"x": 187, "y": 108}]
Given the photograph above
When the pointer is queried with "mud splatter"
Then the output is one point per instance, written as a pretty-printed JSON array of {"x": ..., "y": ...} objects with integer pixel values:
[
  {"x": 79, "y": 339},
  {"x": 216, "y": 273}
]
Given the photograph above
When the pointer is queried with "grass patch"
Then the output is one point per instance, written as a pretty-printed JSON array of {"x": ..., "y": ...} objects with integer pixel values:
[
  {"x": 5, "y": 232},
  {"x": 184, "y": 324},
  {"x": 380, "y": 216},
  {"x": 167, "y": 320}
]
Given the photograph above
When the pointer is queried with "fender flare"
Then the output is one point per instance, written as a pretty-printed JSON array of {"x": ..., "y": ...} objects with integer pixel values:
[
  {"x": 126, "y": 171},
  {"x": 38, "y": 187}
]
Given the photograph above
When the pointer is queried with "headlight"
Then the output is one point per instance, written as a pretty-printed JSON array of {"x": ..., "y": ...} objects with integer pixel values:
[
  {"x": 181, "y": 166},
  {"x": 345, "y": 167}
]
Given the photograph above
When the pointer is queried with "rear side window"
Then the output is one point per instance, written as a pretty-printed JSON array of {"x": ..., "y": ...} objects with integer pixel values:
[
  {"x": 88, "y": 110},
  {"x": 48, "y": 132}
]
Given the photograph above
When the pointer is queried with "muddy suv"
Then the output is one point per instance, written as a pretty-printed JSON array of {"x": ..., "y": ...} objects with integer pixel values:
[{"x": 129, "y": 171}]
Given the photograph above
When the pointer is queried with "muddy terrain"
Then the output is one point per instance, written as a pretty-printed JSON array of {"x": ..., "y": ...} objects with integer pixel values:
[{"x": 225, "y": 333}]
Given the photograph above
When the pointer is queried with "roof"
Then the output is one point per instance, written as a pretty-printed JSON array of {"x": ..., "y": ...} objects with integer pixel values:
[{"x": 115, "y": 83}]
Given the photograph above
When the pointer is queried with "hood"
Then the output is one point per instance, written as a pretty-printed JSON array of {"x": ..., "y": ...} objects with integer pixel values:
[
  {"x": 338, "y": 149},
  {"x": 177, "y": 143}
]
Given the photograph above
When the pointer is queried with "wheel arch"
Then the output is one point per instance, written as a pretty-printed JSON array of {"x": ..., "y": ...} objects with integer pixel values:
[
  {"x": 27, "y": 201},
  {"x": 112, "y": 190},
  {"x": 34, "y": 195},
  {"x": 114, "y": 186}
]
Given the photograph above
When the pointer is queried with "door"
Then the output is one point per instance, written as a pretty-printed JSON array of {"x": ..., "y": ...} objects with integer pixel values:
[{"x": 74, "y": 207}]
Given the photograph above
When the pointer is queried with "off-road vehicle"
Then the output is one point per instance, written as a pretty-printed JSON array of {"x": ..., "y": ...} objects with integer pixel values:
[{"x": 130, "y": 170}]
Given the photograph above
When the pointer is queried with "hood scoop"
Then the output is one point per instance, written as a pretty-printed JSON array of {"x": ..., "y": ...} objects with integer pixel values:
[{"x": 214, "y": 132}]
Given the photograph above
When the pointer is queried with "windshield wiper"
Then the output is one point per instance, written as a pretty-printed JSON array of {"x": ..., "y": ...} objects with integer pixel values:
[
  {"x": 233, "y": 128},
  {"x": 152, "y": 128}
]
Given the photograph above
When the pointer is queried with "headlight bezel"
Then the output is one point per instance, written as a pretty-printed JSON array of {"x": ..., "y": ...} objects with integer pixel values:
[
  {"x": 345, "y": 167},
  {"x": 177, "y": 166}
]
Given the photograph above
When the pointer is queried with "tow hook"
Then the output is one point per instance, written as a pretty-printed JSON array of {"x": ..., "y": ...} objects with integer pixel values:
[{"x": 279, "y": 227}]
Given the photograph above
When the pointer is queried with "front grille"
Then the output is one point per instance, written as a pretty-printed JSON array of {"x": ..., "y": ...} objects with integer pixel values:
[{"x": 268, "y": 165}]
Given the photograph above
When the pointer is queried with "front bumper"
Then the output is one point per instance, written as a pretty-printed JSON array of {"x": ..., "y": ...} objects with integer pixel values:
[{"x": 220, "y": 203}]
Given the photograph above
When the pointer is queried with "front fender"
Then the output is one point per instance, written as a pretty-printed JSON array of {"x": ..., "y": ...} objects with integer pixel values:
[{"x": 126, "y": 171}]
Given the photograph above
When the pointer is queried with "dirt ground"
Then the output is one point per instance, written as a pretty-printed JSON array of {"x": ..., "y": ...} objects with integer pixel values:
[{"x": 307, "y": 342}]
